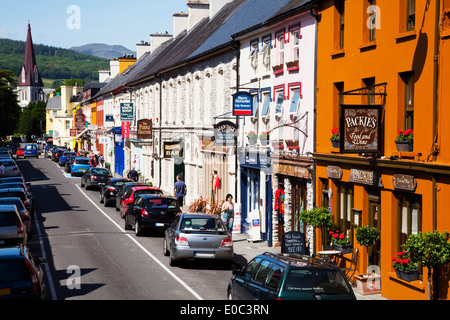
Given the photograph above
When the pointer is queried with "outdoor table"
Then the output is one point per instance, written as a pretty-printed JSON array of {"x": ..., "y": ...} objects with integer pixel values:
[{"x": 329, "y": 254}]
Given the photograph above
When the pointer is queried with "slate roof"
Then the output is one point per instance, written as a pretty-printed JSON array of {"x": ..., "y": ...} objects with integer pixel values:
[
  {"x": 29, "y": 64},
  {"x": 207, "y": 36},
  {"x": 54, "y": 103}
]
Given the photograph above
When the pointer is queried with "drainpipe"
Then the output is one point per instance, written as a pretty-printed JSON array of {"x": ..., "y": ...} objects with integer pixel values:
[
  {"x": 158, "y": 77},
  {"x": 236, "y": 46}
]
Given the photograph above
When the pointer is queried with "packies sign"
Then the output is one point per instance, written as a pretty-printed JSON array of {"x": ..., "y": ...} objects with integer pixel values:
[{"x": 361, "y": 129}]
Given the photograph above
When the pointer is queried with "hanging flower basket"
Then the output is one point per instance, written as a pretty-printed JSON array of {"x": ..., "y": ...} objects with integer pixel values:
[
  {"x": 408, "y": 275},
  {"x": 336, "y": 144},
  {"x": 252, "y": 137},
  {"x": 404, "y": 146},
  {"x": 404, "y": 268},
  {"x": 335, "y": 138}
]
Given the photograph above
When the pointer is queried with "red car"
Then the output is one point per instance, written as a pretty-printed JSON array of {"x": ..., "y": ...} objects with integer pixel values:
[
  {"x": 20, "y": 152},
  {"x": 132, "y": 193}
]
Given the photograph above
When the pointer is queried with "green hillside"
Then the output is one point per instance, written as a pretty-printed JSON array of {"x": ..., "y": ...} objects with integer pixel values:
[{"x": 53, "y": 63}]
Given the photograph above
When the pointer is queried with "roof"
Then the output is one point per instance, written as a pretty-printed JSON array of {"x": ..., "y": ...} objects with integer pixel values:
[
  {"x": 7, "y": 207},
  {"x": 29, "y": 65},
  {"x": 10, "y": 252},
  {"x": 54, "y": 103}
]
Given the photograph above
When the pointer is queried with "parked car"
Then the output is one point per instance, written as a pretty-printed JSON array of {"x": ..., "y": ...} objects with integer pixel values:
[
  {"x": 65, "y": 156},
  {"x": 22, "y": 194},
  {"x": 133, "y": 192},
  {"x": 12, "y": 230},
  {"x": 68, "y": 163},
  {"x": 79, "y": 166},
  {"x": 124, "y": 189},
  {"x": 57, "y": 153},
  {"x": 149, "y": 212},
  {"x": 19, "y": 178},
  {"x": 17, "y": 184},
  {"x": 31, "y": 150},
  {"x": 197, "y": 236},
  {"x": 289, "y": 277},
  {"x": 94, "y": 177},
  {"x": 23, "y": 212},
  {"x": 21, "y": 275},
  {"x": 48, "y": 150},
  {"x": 11, "y": 168},
  {"x": 108, "y": 191},
  {"x": 20, "y": 152}
]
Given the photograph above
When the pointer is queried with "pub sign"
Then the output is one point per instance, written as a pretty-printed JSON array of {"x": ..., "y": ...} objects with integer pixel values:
[
  {"x": 360, "y": 129},
  {"x": 242, "y": 104}
]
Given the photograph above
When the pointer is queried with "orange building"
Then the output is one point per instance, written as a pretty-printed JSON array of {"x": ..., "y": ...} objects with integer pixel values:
[{"x": 381, "y": 68}]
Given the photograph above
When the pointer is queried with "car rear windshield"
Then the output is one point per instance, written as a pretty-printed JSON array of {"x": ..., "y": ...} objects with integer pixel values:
[
  {"x": 161, "y": 203},
  {"x": 101, "y": 171},
  {"x": 81, "y": 161},
  {"x": 316, "y": 281},
  {"x": 8, "y": 163},
  {"x": 13, "y": 270},
  {"x": 202, "y": 224},
  {"x": 30, "y": 147},
  {"x": 17, "y": 202},
  {"x": 146, "y": 191},
  {"x": 20, "y": 195},
  {"x": 7, "y": 219}
]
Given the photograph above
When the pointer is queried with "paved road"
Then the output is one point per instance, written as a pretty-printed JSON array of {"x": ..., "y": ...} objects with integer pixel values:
[{"x": 78, "y": 234}]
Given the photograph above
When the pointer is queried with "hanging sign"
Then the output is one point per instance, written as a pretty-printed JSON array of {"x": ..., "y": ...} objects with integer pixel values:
[
  {"x": 126, "y": 111},
  {"x": 225, "y": 133},
  {"x": 242, "y": 104},
  {"x": 360, "y": 129},
  {"x": 144, "y": 129},
  {"x": 126, "y": 130}
]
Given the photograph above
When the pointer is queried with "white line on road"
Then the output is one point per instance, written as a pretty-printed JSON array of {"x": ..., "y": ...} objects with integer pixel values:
[{"x": 142, "y": 248}]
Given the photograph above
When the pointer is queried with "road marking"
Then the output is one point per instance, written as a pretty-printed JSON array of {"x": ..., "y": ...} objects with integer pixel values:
[
  {"x": 47, "y": 268},
  {"x": 143, "y": 249}
]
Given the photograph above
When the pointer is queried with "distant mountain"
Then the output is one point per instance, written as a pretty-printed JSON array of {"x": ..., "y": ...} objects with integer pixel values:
[
  {"x": 54, "y": 64},
  {"x": 104, "y": 50}
]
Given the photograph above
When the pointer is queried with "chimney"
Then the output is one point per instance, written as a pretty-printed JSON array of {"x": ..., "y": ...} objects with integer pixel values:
[
  {"x": 180, "y": 23},
  {"x": 198, "y": 9},
  {"x": 142, "y": 48},
  {"x": 215, "y": 6},
  {"x": 157, "y": 39},
  {"x": 114, "y": 67},
  {"x": 103, "y": 75}
]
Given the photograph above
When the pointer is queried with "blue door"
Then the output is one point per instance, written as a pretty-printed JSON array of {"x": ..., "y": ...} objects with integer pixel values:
[{"x": 120, "y": 158}]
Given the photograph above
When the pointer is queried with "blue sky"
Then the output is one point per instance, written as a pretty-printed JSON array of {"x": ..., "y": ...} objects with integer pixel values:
[{"x": 68, "y": 23}]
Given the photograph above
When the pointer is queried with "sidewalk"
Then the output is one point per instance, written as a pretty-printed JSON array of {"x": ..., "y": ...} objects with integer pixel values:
[{"x": 245, "y": 250}]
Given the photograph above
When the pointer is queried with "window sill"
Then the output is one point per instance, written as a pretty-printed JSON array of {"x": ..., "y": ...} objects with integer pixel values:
[
  {"x": 368, "y": 46},
  {"x": 406, "y": 36},
  {"x": 407, "y": 155},
  {"x": 445, "y": 34},
  {"x": 418, "y": 285},
  {"x": 338, "y": 54}
]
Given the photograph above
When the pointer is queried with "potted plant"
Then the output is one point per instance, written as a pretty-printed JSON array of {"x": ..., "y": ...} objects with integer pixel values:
[
  {"x": 264, "y": 138},
  {"x": 340, "y": 242},
  {"x": 335, "y": 138},
  {"x": 367, "y": 236},
  {"x": 252, "y": 137},
  {"x": 318, "y": 218},
  {"x": 404, "y": 140},
  {"x": 404, "y": 268}
]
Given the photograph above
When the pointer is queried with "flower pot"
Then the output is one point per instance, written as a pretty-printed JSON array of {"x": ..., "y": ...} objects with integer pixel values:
[
  {"x": 344, "y": 249},
  {"x": 264, "y": 142},
  {"x": 252, "y": 140},
  {"x": 404, "y": 146},
  {"x": 367, "y": 284},
  {"x": 407, "y": 275},
  {"x": 336, "y": 144}
]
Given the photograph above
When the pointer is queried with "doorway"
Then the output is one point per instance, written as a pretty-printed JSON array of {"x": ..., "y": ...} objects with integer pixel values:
[{"x": 375, "y": 221}]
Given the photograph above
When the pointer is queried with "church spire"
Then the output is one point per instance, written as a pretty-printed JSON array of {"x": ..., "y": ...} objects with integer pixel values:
[{"x": 29, "y": 75}]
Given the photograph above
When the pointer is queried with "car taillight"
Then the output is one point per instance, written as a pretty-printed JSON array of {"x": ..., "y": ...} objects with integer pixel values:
[
  {"x": 15, "y": 169},
  {"x": 181, "y": 241},
  {"x": 144, "y": 213},
  {"x": 279, "y": 299},
  {"x": 93, "y": 177},
  {"x": 34, "y": 277},
  {"x": 111, "y": 189},
  {"x": 227, "y": 242},
  {"x": 26, "y": 202},
  {"x": 20, "y": 229}
]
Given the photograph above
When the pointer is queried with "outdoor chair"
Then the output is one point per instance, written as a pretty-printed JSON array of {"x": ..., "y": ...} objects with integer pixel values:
[{"x": 350, "y": 271}]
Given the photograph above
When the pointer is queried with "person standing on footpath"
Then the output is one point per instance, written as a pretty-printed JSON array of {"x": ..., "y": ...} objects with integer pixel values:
[
  {"x": 180, "y": 190},
  {"x": 2, "y": 169},
  {"x": 228, "y": 212}
]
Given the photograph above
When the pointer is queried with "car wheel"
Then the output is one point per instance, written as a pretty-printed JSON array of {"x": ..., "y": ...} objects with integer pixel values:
[
  {"x": 173, "y": 262},
  {"x": 138, "y": 229},
  {"x": 82, "y": 185},
  {"x": 101, "y": 198},
  {"x": 127, "y": 225},
  {"x": 229, "y": 295},
  {"x": 165, "y": 249}
]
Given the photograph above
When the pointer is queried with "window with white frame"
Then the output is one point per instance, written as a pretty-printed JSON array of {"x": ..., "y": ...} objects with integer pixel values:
[
  {"x": 296, "y": 44},
  {"x": 265, "y": 52},
  {"x": 295, "y": 101},
  {"x": 279, "y": 102},
  {"x": 266, "y": 100},
  {"x": 254, "y": 56},
  {"x": 280, "y": 44},
  {"x": 67, "y": 125},
  {"x": 255, "y": 104}
]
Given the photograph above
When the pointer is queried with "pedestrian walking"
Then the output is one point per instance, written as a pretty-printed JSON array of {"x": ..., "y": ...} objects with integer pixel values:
[
  {"x": 133, "y": 174},
  {"x": 101, "y": 159},
  {"x": 2, "y": 169},
  {"x": 180, "y": 190},
  {"x": 228, "y": 212}
]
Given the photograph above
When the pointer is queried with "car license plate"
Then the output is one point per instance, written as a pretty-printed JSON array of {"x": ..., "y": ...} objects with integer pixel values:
[
  {"x": 5, "y": 292},
  {"x": 204, "y": 254},
  {"x": 157, "y": 224},
  {"x": 82, "y": 170}
]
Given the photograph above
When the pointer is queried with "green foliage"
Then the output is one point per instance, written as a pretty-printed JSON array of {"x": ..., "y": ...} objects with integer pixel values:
[
  {"x": 317, "y": 217},
  {"x": 9, "y": 108},
  {"x": 430, "y": 249},
  {"x": 32, "y": 119},
  {"x": 367, "y": 236},
  {"x": 53, "y": 63}
]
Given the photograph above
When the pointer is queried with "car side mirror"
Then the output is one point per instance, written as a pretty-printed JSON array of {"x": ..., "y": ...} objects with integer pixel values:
[
  {"x": 42, "y": 260},
  {"x": 236, "y": 271}
]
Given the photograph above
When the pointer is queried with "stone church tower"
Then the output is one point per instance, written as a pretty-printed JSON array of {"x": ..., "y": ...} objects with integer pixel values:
[{"x": 30, "y": 85}]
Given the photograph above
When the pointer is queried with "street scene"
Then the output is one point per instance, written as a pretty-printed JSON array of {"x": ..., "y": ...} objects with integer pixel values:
[{"x": 256, "y": 150}]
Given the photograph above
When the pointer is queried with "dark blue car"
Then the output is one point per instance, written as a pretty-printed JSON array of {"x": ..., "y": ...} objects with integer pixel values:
[
  {"x": 31, "y": 150},
  {"x": 65, "y": 156}
]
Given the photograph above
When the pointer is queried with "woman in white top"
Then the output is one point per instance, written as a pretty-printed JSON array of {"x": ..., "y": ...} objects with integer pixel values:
[{"x": 228, "y": 212}]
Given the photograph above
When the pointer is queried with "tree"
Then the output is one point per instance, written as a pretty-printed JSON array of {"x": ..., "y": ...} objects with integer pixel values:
[
  {"x": 9, "y": 107},
  {"x": 32, "y": 119}
]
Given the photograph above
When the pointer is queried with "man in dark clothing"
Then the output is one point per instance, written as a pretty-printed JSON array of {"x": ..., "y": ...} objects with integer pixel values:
[
  {"x": 133, "y": 174},
  {"x": 180, "y": 190}
]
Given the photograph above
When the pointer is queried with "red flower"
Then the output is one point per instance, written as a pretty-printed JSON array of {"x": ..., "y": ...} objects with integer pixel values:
[
  {"x": 399, "y": 253},
  {"x": 405, "y": 261},
  {"x": 335, "y": 235},
  {"x": 400, "y": 131},
  {"x": 335, "y": 131},
  {"x": 393, "y": 258},
  {"x": 331, "y": 232},
  {"x": 398, "y": 260},
  {"x": 341, "y": 236}
]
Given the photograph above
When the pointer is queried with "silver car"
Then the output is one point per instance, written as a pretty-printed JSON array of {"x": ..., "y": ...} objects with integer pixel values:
[
  {"x": 11, "y": 226},
  {"x": 11, "y": 168},
  {"x": 197, "y": 236}
]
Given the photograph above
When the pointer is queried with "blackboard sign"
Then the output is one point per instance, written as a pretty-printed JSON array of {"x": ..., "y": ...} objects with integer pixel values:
[{"x": 293, "y": 242}]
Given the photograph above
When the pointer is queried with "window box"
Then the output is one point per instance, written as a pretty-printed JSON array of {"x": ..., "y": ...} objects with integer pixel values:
[
  {"x": 292, "y": 65},
  {"x": 278, "y": 69}
]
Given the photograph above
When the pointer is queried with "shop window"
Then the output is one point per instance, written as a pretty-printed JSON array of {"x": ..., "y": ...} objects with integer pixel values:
[{"x": 344, "y": 207}]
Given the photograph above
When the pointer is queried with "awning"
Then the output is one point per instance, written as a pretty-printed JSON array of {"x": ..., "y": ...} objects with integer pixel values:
[{"x": 77, "y": 137}]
